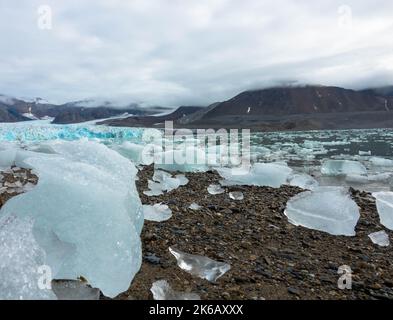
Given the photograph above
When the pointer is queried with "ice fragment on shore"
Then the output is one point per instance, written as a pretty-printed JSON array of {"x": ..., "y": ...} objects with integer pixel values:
[
  {"x": 86, "y": 196},
  {"x": 328, "y": 209},
  {"x": 158, "y": 212},
  {"x": 194, "y": 206},
  {"x": 380, "y": 238},
  {"x": 384, "y": 202},
  {"x": 260, "y": 174},
  {"x": 215, "y": 189},
  {"x": 74, "y": 290},
  {"x": 161, "y": 290},
  {"x": 342, "y": 167},
  {"x": 163, "y": 181},
  {"x": 236, "y": 195},
  {"x": 200, "y": 266},
  {"x": 20, "y": 261}
]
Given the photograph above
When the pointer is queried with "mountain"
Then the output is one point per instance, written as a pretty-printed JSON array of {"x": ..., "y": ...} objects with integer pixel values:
[
  {"x": 298, "y": 108},
  {"x": 380, "y": 91},
  {"x": 271, "y": 109},
  {"x": 14, "y": 110},
  {"x": 152, "y": 121}
]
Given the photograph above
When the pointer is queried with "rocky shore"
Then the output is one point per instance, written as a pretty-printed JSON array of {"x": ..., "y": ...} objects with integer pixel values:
[{"x": 269, "y": 257}]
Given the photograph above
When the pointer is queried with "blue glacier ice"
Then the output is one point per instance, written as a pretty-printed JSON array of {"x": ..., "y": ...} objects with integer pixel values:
[{"x": 86, "y": 204}]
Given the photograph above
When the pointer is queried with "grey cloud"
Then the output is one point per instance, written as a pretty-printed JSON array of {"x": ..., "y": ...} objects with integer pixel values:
[{"x": 172, "y": 52}]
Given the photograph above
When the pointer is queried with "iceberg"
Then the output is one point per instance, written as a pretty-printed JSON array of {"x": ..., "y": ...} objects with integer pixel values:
[
  {"x": 161, "y": 290},
  {"x": 380, "y": 238},
  {"x": 342, "y": 167},
  {"x": 384, "y": 202},
  {"x": 200, "y": 266},
  {"x": 328, "y": 209},
  {"x": 86, "y": 199},
  {"x": 158, "y": 212}
]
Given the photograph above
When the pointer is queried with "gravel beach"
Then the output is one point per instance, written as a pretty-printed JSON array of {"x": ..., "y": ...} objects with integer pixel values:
[{"x": 269, "y": 257}]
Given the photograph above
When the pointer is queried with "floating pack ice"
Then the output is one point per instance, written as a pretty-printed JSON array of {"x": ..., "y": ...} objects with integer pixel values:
[
  {"x": 385, "y": 208},
  {"x": 303, "y": 181},
  {"x": 200, "y": 266},
  {"x": 236, "y": 195},
  {"x": 86, "y": 198},
  {"x": 161, "y": 290},
  {"x": 74, "y": 290},
  {"x": 215, "y": 189},
  {"x": 328, "y": 209},
  {"x": 184, "y": 159},
  {"x": 158, "y": 212},
  {"x": 380, "y": 238},
  {"x": 20, "y": 261},
  {"x": 342, "y": 167},
  {"x": 381, "y": 162},
  {"x": 261, "y": 174}
]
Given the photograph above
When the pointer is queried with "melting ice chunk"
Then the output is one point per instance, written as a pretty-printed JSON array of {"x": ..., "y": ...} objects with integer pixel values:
[
  {"x": 342, "y": 167},
  {"x": 161, "y": 290},
  {"x": 380, "y": 238},
  {"x": 328, "y": 209},
  {"x": 20, "y": 261},
  {"x": 74, "y": 290},
  {"x": 385, "y": 208},
  {"x": 158, "y": 212},
  {"x": 200, "y": 266},
  {"x": 236, "y": 195},
  {"x": 261, "y": 174},
  {"x": 304, "y": 181},
  {"x": 163, "y": 181},
  {"x": 194, "y": 206},
  {"x": 215, "y": 189},
  {"x": 87, "y": 197}
]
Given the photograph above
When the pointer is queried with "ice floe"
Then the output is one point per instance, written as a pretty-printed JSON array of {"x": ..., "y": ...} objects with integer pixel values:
[
  {"x": 381, "y": 162},
  {"x": 200, "y": 266},
  {"x": 260, "y": 174},
  {"x": 342, "y": 167},
  {"x": 328, "y": 209}
]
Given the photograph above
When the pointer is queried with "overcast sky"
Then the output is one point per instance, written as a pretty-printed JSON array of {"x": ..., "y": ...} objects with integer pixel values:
[{"x": 173, "y": 52}]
